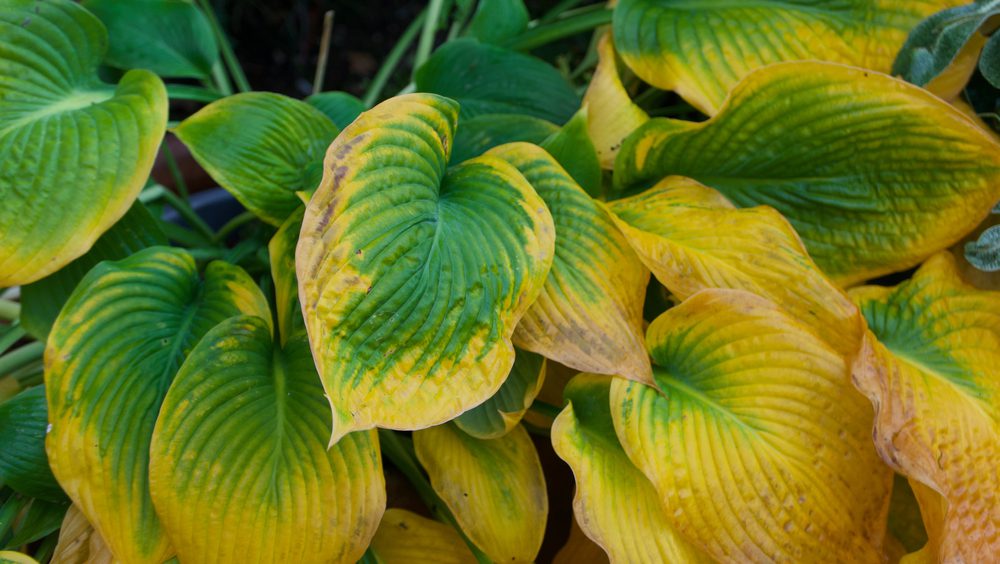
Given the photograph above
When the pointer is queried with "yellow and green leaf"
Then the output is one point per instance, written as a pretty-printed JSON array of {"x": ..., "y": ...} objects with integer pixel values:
[
  {"x": 692, "y": 239},
  {"x": 611, "y": 113},
  {"x": 493, "y": 487},
  {"x": 572, "y": 148},
  {"x": 262, "y": 148},
  {"x": 931, "y": 367},
  {"x": 615, "y": 504},
  {"x": 874, "y": 173},
  {"x": 412, "y": 276},
  {"x": 498, "y": 415},
  {"x": 403, "y": 537},
  {"x": 759, "y": 448},
  {"x": 589, "y": 314},
  {"x": 281, "y": 250},
  {"x": 12, "y": 557},
  {"x": 702, "y": 49},
  {"x": 239, "y": 466},
  {"x": 65, "y": 133},
  {"x": 109, "y": 360}
]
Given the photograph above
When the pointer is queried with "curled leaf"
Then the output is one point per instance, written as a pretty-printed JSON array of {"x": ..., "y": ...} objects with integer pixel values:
[
  {"x": 412, "y": 277},
  {"x": 611, "y": 113},
  {"x": 498, "y": 415}
]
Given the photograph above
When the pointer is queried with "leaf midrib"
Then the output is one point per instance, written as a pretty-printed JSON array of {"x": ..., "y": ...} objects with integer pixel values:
[{"x": 74, "y": 100}]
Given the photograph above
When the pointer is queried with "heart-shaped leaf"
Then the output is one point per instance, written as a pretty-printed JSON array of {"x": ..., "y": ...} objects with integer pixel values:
[
  {"x": 403, "y": 537},
  {"x": 168, "y": 37},
  {"x": 931, "y": 367},
  {"x": 701, "y": 49},
  {"x": 833, "y": 149},
  {"x": 692, "y": 239},
  {"x": 110, "y": 358},
  {"x": 262, "y": 148},
  {"x": 41, "y": 301},
  {"x": 23, "y": 464},
  {"x": 486, "y": 79},
  {"x": 493, "y": 487},
  {"x": 340, "y": 107},
  {"x": 498, "y": 415},
  {"x": 412, "y": 278},
  {"x": 611, "y": 113},
  {"x": 74, "y": 151},
  {"x": 759, "y": 448},
  {"x": 242, "y": 439},
  {"x": 589, "y": 314},
  {"x": 615, "y": 504}
]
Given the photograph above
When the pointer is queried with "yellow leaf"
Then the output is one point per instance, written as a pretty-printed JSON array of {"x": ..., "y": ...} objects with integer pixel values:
[
  {"x": 759, "y": 448},
  {"x": 412, "y": 275},
  {"x": 11, "y": 557},
  {"x": 79, "y": 543},
  {"x": 931, "y": 367},
  {"x": 615, "y": 504},
  {"x": 281, "y": 250},
  {"x": 701, "y": 49},
  {"x": 404, "y": 537},
  {"x": 611, "y": 113},
  {"x": 693, "y": 239},
  {"x": 493, "y": 487}
]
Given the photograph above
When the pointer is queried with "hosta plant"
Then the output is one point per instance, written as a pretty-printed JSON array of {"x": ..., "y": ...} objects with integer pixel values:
[{"x": 719, "y": 258}]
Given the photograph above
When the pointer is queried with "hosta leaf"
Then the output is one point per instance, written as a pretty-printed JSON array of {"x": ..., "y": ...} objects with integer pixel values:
[
  {"x": 481, "y": 133},
  {"x": 615, "y": 504},
  {"x": 572, "y": 148},
  {"x": 702, "y": 49},
  {"x": 942, "y": 51},
  {"x": 11, "y": 557},
  {"x": 498, "y": 415},
  {"x": 23, "y": 464},
  {"x": 79, "y": 543},
  {"x": 693, "y": 239},
  {"x": 486, "y": 79},
  {"x": 932, "y": 375},
  {"x": 404, "y": 537},
  {"x": 579, "y": 548},
  {"x": 611, "y": 113},
  {"x": 74, "y": 151},
  {"x": 168, "y": 37},
  {"x": 38, "y": 521},
  {"x": 42, "y": 300},
  {"x": 239, "y": 469},
  {"x": 496, "y": 21},
  {"x": 760, "y": 449},
  {"x": 413, "y": 278},
  {"x": 340, "y": 107},
  {"x": 989, "y": 62},
  {"x": 109, "y": 360},
  {"x": 262, "y": 148},
  {"x": 833, "y": 149},
  {"x": 589, "y": 314},
  {"x": 984, "y": 253},
  {"x": 493, "y": 487},
  {"x": 286, "y": 286}
]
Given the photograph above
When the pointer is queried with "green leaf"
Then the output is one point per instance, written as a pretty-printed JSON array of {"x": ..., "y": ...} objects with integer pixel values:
[
  {"x": 172, "y": 38},
  {"x": 23, "y": 463},
  {"x": 701, "y": 49},
  {"x": 574, "y": 150},
  {"x": 42, "y": 300},
  {"x": 110, "y": 358},
  {"x": 936, "y": 43},
  {"x": 281, "y": 250},
  {"x": 498, "y": 415},
  {"x": 239, "y": 465},
  {"x": 833, "y": 149},
  {"x": 984, "y": 253},
  {"x": 989, "y": 60},
  {"x": 41, "y": 519},
  {"x": 496, "y": 21},
  {"x": 262, "y": 148},
  {"x": 74, "y": 151},
  {"x": 479, "y": 134},
  {"x": 413, "y": 275},
  {"x": 486, "y": 79},
  {"x": 340, "y": 107}
]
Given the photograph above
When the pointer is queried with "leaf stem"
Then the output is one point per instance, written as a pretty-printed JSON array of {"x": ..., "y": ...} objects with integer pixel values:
[
  {"x": 232, "y": 64},
  {"x": 189, "y": 215},
  {"x": 175, "y": 171},
  {"x": 233, "y": 225},
  {"x": 21, "y": 356},
  {"x": 392, "y": 60},
  {"x": 11, "y": 336},
  {"x": 399, "y": 451},
  {"x": 434, "y": 9},
  {"x": 9, "y": 311},
  {"x": 581, "y": 20},
  {"x": 558, "y": 10},
  {"x": 324, "y": 52},
  {"x": 188, "y": 92}
]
